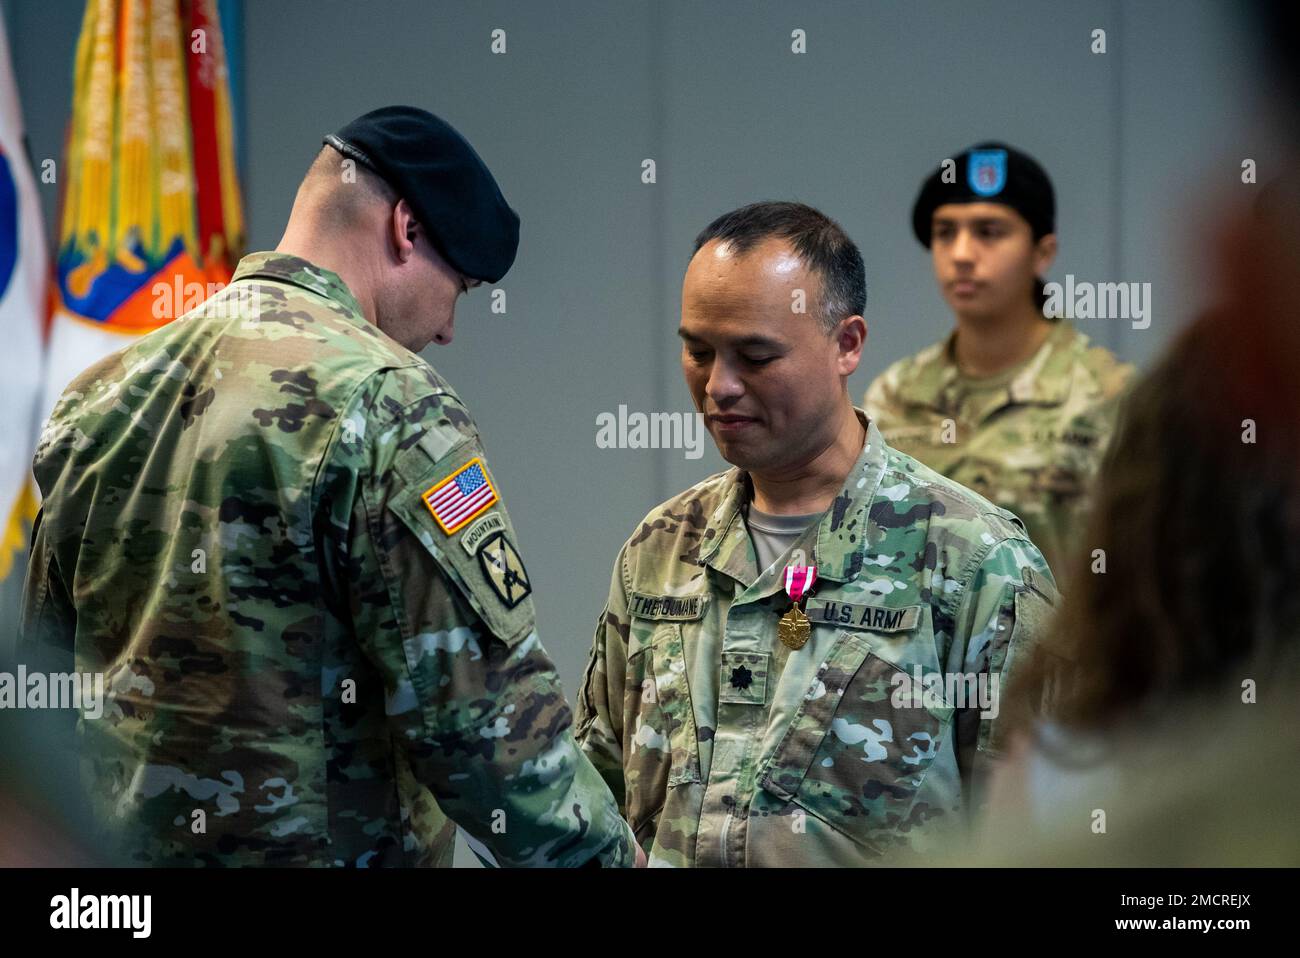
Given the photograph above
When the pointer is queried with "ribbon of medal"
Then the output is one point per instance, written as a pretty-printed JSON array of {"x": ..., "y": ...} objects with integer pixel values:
[{"x": 794, "y": 628}]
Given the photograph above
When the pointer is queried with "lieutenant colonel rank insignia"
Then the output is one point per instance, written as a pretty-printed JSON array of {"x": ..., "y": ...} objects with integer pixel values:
[
  {"x": 461, "y": 496},
  {"x": 504, "y": 569}
]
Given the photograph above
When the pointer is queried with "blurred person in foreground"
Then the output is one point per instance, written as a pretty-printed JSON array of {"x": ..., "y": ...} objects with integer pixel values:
[{"x": 1174, "y": 675}]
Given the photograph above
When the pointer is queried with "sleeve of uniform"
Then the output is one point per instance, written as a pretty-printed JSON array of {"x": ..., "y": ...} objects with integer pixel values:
[
  {"x": 600, "y": 700},
  {"x": 440, "y": 602},
  {"x": 1002, "y": 615},
  {"x": 47, "y": 620}
]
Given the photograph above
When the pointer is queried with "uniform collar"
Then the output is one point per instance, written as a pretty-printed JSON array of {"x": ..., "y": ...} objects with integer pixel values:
[
  {"x": 299, "y": 272},
  {"x": 932, "y": 374},
  {"x": 841, "y": 531},
  {"x": 1047, "y": 377},
  {"x": 1043, "y": 379}
]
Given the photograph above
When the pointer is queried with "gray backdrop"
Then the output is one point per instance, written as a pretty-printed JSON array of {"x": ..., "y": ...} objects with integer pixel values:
[{"x": 1144, "y": 144}]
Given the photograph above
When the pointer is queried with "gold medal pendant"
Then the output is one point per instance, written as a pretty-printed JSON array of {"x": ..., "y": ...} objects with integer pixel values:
[{"x": 794, "y": 629}]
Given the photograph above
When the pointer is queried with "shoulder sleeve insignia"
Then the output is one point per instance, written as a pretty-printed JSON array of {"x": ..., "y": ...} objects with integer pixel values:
[
  {"x": 504, "y": 569},
  {"x": 462, "y": 496}
]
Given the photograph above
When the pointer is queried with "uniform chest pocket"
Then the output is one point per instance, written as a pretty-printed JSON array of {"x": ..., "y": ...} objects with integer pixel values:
[
  {"x": 1057, "y": 481},
  {"x": 856, "y": 751},
  {"x": 1068, "y": 459},
  {"x": 663, "y": 750}
]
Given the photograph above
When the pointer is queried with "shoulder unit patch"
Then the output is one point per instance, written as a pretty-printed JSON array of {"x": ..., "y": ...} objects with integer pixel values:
[{"x": 460, "y": 497}]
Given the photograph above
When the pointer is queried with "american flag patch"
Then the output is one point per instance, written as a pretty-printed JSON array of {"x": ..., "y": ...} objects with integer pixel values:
[{"x": 461, "y": 496}]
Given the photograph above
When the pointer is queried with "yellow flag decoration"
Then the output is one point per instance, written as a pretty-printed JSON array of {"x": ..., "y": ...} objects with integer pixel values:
[{"x": 151, "y": 217}]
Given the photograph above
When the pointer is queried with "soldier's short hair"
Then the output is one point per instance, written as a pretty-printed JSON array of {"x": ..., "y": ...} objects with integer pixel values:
[
  {"x": 820, "y": 242},
  {"x": 344, "y": 191}
]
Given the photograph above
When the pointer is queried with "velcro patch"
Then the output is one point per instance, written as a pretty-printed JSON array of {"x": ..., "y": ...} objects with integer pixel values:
[
  {"x": 853, "y": 615},
  {"x": 675, "y": 608},
  {"x": 743, "y": 680},
  {"x": 473, "y": 537},
  {"x": 460, "y": 497},
  {"x": 504, "y": 569}
]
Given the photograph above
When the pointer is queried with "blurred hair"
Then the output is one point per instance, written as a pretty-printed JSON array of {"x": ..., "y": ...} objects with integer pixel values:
[{"x": 820, "y": 242}]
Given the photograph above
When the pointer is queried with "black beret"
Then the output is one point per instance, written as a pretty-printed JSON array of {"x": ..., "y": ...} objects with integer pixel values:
[
  {"x": 989, "y": 173},
  {"x": 448, "y": 187}
]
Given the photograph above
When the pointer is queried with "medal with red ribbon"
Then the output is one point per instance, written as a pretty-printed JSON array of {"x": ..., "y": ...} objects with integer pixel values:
[{"x": 794, "y": 628}]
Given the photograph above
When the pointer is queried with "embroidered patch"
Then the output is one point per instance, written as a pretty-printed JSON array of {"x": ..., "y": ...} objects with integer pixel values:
[
  {"x": 743, "y": 678},
  {"x": 986, "y": 171},
  {"x": 504, "y": 569},
  {"x": 669, "y": 607},
  {"x": 461, "y": 496},
  {"x": 853, "y": 615},
  {"x": 473, "y": 537}
]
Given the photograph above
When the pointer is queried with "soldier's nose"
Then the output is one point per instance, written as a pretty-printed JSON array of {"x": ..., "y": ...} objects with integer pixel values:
[
  {"x": 963, "y": 248},
  {"x": 722, "y": 385}
]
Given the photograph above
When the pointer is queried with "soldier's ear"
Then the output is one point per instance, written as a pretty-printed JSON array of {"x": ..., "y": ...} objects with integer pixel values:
[
  {"x": 403, "y": 229},
  {"x": 1044, "y": 254},
  {"x": 851, "y": 335}
]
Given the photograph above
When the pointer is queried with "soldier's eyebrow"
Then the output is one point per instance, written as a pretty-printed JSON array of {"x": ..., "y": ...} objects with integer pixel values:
[{"x": 745, "y": 342}]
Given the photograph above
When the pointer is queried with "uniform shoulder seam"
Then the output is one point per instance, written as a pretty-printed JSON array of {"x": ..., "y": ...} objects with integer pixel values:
[
  {"x": 968, "y": 572},
  {"x": 331, "y": 444},
  {"x": 706, "y": 486}
]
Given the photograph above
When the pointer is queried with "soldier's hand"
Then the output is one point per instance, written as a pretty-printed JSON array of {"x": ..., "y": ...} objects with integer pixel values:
[{"x": 640, "y": 855}]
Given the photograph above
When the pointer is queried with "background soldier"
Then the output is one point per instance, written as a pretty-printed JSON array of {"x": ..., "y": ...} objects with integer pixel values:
[
  {"x": 1014, "y": 405},
  {"x": 272, "y": 527},
  {"x": 735, "y": 729}
]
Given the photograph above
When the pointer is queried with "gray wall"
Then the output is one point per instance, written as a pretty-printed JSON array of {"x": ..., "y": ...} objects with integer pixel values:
[
  {"x": 712, "y": 92},
  {"x": 1143, "y": 143}
]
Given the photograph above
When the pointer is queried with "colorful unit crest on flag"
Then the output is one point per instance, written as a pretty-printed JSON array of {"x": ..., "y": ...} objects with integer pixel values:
[
  {"x": 461, "y": 496},
  {"x": 151, "y": 195}
]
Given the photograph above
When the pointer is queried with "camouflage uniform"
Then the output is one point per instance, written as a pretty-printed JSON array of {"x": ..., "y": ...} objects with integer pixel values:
[
  {"x": 237, "y": 531},
  {"x": 726, "y": 748},
  {"x": 1028, "y": 439}
]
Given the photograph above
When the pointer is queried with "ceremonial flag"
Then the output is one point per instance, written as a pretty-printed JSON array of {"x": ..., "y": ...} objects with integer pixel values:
[
  {"x": 24, "y": 282},
  {"x": 151, "y": 218}
]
